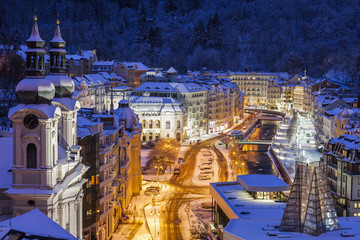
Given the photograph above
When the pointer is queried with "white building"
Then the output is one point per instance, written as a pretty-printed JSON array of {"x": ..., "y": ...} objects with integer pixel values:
[
  {"x": 46, "y": 172},
  {"x": 161, "y": 117}
]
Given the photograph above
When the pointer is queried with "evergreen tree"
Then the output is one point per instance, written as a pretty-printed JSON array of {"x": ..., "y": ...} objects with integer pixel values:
[
  {"x": 199, "y": 34},
  {"x": 143, "y": 27},
  {"x": 213, "y": 32}
]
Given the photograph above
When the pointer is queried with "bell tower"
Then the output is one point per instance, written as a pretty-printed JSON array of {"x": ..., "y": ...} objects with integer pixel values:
[{"x": 47, "y": 170}]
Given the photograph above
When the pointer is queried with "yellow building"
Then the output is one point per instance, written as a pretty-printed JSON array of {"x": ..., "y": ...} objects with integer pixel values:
[{"x": 255, "y": 86}]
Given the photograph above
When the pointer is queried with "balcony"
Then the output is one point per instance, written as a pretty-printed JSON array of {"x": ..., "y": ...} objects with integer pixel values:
[
  {"x": 332, "y": 177},
  {"x": 105, "y": 198},
  {"x": 106, "y": 182}
]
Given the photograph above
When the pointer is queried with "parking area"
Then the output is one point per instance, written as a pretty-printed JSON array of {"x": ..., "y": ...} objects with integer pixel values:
[{"x": 207, "y": 167}]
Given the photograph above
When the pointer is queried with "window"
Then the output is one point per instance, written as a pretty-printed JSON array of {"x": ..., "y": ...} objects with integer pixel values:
[
  {"x": 31, "y": 155},
  {"x": 356, "y": 205},
  {"x": 178, "y": 124},
  {"x": 167, "y": 124},
  {"x": 356, "y": 214},
  {"x": 359, "y": 193}
]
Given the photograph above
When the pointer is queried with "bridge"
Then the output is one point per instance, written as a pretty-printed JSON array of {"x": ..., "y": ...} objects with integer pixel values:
[
  {"x": 254, "y": 110},
  {"x": 271, "y": 118},
  {"x": 254, "y": 142}
]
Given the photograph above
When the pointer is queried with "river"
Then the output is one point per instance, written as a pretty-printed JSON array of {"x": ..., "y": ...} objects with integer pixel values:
[{"x": 258, "y": 161}]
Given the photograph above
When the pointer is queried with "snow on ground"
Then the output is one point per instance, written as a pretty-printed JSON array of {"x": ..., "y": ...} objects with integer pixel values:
[
  {"x": 301, "y": 146},
  {"x": 206, "y": 166}
]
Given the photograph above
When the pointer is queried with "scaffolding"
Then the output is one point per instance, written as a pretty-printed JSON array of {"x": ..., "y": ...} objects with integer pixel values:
[{"x": 310, "y": 208}]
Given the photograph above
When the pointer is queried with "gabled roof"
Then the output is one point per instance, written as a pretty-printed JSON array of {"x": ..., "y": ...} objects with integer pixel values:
[{"x": 36, "y": 223}]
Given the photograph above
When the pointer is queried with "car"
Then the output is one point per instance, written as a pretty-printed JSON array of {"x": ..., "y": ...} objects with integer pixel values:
[
  {"x": 207, "y": 172},
  {"x": 205, "y": 167},
  {"x": 152, "y": 190},
  {"x": 177, "y": 171},
  {"x": 204, "y": 177},
  {"x": 244, "y": 128},
  {"x": 180, "y": 161}
]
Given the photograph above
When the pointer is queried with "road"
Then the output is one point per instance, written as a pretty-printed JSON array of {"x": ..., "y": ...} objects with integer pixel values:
[{"x": 184, "y": 187}]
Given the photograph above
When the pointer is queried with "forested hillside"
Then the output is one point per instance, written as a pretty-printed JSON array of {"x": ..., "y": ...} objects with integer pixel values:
[{"x": 262, "y": 35}]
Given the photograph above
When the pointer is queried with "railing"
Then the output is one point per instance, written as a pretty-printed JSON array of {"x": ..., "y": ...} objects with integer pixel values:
[{"x": 333, "y": 177}]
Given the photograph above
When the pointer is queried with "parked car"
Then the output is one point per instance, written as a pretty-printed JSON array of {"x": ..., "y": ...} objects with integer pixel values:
[
  {"x": 205, "y": 167},
  {"x": 177, "y": 171},
  {"x": 152, "y": 190},
  {"x": 204, "y": 177},
  {"x": 180, "y": 161}
]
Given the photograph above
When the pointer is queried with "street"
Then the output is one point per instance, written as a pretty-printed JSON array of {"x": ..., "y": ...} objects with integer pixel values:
[{"x": 179, "y": 191}]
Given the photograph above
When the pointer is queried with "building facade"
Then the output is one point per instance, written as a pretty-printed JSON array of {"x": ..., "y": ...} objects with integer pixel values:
[
  {"x": 116, "y": 176},
  {"x": 47, "y": 169},
  {"x": 255, "y": 86},
  {"x": 131, "y": 72},
  {"x": 342, "y": 157},
  {"x": 160, "y": 117}
]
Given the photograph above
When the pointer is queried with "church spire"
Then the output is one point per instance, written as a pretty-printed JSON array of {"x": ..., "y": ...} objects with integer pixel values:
[
  {"x": 64, "y": 85},
  {"x": 57, "y": 37},
  {"x": 35, "y": 53},
  {"x": 57, "y": 51},
  {"x": 35, "y": 39}
]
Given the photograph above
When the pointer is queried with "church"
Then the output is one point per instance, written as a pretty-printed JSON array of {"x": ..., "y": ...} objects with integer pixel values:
[{"x": 47, "y": 172}]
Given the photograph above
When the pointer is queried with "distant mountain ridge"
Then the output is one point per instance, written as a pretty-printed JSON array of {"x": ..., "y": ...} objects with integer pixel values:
[{"x": 260, "y": 35}]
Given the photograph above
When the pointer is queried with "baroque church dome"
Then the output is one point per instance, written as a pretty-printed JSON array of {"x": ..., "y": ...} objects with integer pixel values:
[{"x": 125, "y": 114}]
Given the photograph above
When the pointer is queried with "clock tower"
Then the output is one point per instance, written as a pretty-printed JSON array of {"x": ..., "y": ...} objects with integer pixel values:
[{"x": 47, "y": 172}]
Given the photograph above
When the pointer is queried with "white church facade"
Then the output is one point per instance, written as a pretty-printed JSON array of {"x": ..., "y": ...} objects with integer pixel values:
[{"x": 47, "y": 171}]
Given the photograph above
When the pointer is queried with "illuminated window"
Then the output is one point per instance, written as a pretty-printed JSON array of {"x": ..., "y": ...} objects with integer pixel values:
[{"x": 355, "y": 205}]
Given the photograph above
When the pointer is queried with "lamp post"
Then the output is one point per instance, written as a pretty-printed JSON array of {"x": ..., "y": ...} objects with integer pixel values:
[{"x": 156, "y": 212}]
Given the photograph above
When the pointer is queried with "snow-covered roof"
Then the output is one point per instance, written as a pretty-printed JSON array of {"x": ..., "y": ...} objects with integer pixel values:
[
  {"x": 103, "y": 63},
  {"x": 35, "y": 36},
  {"x": 162, "y": 100},
  {"x": 238, "y": 229},
  {"x": 37, "y": 223},
  {"x": 6, "y": 146},
  {"x": 57, "y": 36},
  {"x": 233, "y": 200},
  {"x": 135, "y": 65},
  {"x": 170, "y": 87},
  {"x": 262, "y": 183},
  {"x": 334, "y": 111},
  {"x": 48, "y": 110},
  {"x": 126, "y": 114},
  {"x": 171, "y": 70}
]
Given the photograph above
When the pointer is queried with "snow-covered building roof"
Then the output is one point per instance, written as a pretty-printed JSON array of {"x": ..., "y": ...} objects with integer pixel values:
[
  {"x": 268, "y": 229},
  {"x": 125, "y": 114},
  {"x": 234, "y": 200},
  {"x": 136, "y": 66},
  {"x": 262, "y": 183},
  {"x": 35, "y": 224}
]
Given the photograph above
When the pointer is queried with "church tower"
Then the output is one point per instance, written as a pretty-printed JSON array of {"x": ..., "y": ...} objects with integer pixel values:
[
  {"x": 46, "y": 174},
  {"x": 64, "y": 87}
]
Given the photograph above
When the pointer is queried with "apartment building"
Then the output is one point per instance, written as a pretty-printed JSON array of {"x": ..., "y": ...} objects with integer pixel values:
[
  {"x": 342, "y": 157},
  {"x": 115, "y": 170}
]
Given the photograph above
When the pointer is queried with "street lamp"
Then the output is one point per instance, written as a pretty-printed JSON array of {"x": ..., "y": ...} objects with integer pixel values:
[{"x": 156, "y": 212}]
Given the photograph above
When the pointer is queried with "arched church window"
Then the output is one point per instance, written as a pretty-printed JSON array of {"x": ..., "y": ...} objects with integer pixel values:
[{"x": 31, "y": 155}]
